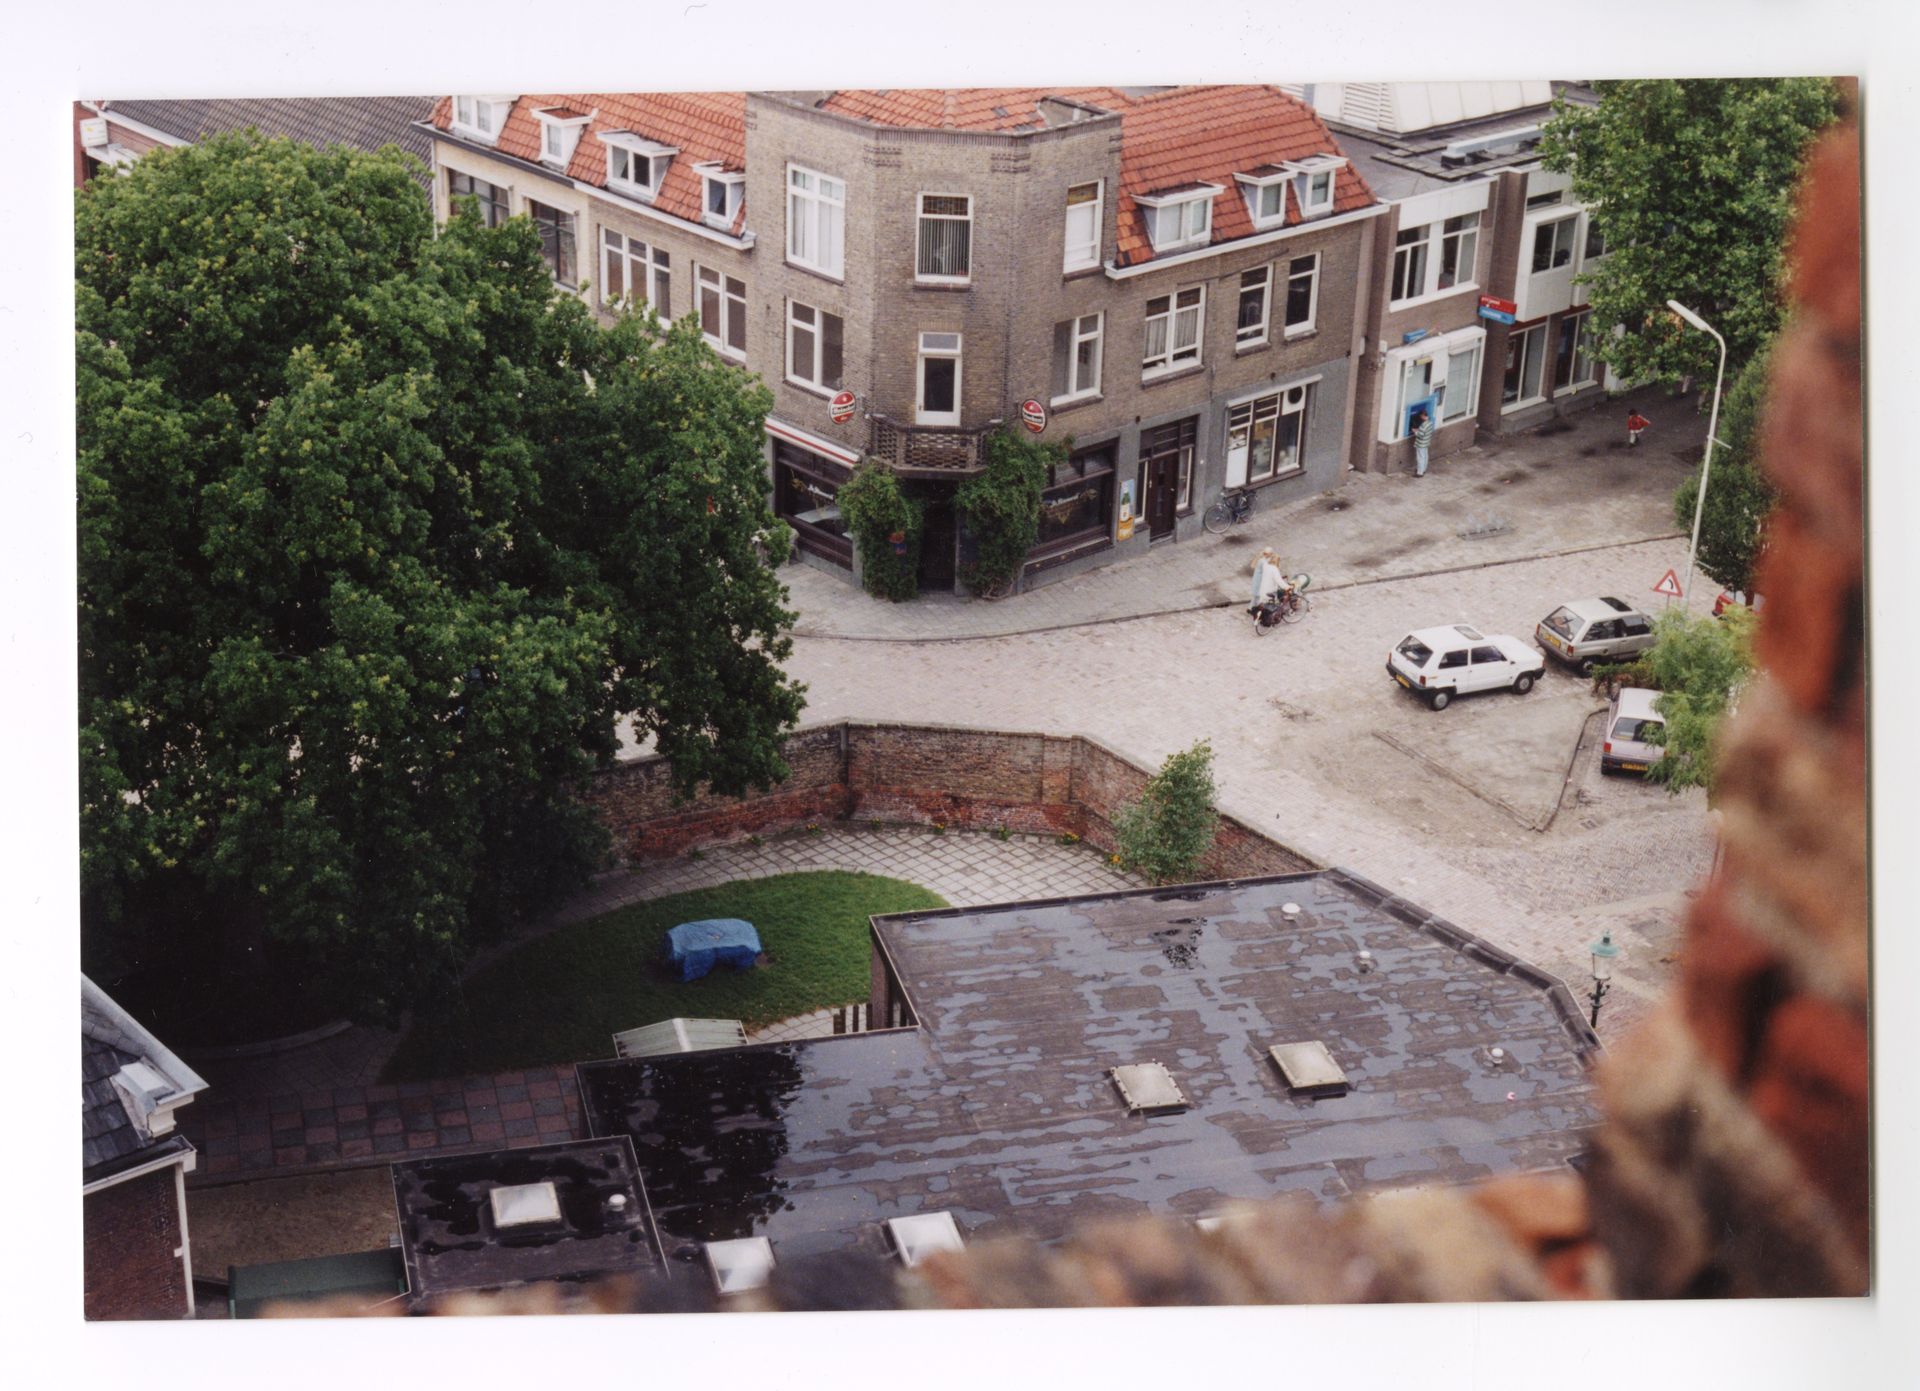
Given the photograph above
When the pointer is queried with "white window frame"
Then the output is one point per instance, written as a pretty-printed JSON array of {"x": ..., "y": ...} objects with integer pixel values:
[
  {"x": 636, "y": 148},
  {"x": 830, "y": 235},
  {"x": 1402, "y": 362},
  {"x": 1306, "y": 173},
  {"x": 921, "y": 215},
  {"x": 733, "y": 182},
  {"x": 1293, "y": 398},
  {"x": 815, "y": 380},
  {"x": 1467, "y": 397},
  {"x": 932, "y": 351},
  {"x": 1434, "y": 238},
  {"x": 711, "y": 277},
  {"x": 1173, "y": 358},
  {"x": 649, "y": 266},
  {"x": 559, "y": 137},
  {"x": 1187, "y": 229},
  {"x": 1466, "y": 237},
  {"x": 1078, "y": 390},
  {"x": 1574, "y": 240},
  {"x": 1257, "y": 336},
  {"x": 1255, "y": 188},
  {"x": 1084, "y": 253},
  {"x": 1412, "y": 291},
  {"x": 1312, "y": 277},
  {"x": 470, "y": 123}
]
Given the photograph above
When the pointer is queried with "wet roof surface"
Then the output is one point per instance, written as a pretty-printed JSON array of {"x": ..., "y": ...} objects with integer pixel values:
[
  {"x": 450, "y": 1242},
  {"x": 1001, "y": 1106}
]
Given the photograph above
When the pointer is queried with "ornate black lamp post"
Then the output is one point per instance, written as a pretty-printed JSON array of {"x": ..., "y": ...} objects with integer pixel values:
[{"x": 1603, "y": 953}]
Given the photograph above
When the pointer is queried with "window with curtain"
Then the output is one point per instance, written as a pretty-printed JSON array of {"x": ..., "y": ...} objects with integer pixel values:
[
  {"x": 816, "y": 221},
  {"x": 556, "y": 241},
  {"x": 1173, "y": 330},
  {"x": 946, "y": 237}
]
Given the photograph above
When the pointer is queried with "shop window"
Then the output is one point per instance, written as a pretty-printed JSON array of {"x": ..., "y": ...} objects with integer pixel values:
[
  {"x": 1264, "y": 436},
  {"x": 1076, "y": 507}
]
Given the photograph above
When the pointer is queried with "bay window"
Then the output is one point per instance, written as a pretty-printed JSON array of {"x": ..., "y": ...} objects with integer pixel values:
[
  {"x": 816, "y": 221},
  {"x": 1553, "y": 243},
  {"x": 945, "y": 241},
  {"x": 1173, "y": 331}
]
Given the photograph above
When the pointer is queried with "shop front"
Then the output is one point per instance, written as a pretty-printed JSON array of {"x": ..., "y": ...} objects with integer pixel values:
[{"x": 806, "y": 490}]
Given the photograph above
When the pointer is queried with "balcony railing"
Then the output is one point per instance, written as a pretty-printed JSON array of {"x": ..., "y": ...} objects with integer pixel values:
[{"x": 924, "y": 451}]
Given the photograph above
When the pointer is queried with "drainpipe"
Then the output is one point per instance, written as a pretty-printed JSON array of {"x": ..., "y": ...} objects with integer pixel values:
[{"x": 1363, "y": 318}]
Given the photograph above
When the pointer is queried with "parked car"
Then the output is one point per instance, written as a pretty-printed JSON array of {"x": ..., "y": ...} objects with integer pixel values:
[
  {"x": 1625, "y": 748},
  {"x": 1729, "y": 598},
  {"x": 1437, "y": 664},
  {"x": 1585, "y": 631}
]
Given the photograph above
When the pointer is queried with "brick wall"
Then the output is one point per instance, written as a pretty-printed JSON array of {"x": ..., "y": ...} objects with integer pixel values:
[
  {"x": 899, "y": 774},
  {"x": 132, "y": 1231}
]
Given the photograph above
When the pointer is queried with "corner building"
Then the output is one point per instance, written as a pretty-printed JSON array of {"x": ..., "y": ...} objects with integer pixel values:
[{"x": 1177, "y": 277}]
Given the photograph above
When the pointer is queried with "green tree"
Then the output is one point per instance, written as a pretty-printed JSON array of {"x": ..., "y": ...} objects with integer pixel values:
[
  {"x": 886, "y": 526},
  {"x": 1699, "y": 665},
  {"x": 1169, "y": 830},
  {"x": 380, "y": 539},
  {"x": 1739, "y": 497},
  {"x": 1001, "y": 505},
  {"x": 1691, "y": 184}
]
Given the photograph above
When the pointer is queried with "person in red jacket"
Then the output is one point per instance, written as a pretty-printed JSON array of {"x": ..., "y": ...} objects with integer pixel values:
[{"x": 1636, "y": 422}]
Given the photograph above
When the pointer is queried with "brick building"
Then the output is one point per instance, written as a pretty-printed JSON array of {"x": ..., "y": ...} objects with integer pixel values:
[
  {"x": 1470, "y": 215},
  {"x": 1178, "y": 276},
  {"x": 138, "y": 1261}
]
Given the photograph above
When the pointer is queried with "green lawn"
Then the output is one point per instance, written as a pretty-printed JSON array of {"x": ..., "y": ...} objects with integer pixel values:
[{"x": 561, "y": 998}]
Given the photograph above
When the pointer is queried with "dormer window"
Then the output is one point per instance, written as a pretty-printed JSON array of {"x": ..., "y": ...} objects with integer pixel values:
[
  {"x": 721, "y": 192},
  {"x": 635, "y": 164},
  {"x": 1313, "y": 181},
  {"x": 1266, "y": 193},
  {"x": 560, "y": 130},
  {"x": 481, "y": 117},
  {"x": 1180, "y": 219}
]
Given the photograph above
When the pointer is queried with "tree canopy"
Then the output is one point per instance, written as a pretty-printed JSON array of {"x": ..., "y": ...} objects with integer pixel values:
[
  {"x": 1699, "y": 666},
  {"x": 380, "y": 538},
  {"x": 1167, "y": 832},
  {"x": 1739, "y": 497},
  {"x": 1691, "y": 184}
]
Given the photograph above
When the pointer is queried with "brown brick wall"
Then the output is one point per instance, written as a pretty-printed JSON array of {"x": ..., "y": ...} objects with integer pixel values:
[
  {"x": 897, "y": 774},
  {"x": 132, "y": 1231}
]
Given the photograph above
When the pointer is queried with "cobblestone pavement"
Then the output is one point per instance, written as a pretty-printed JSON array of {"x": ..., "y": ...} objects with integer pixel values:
[
  {"x": 1574, "y": 484},
  {"x": 323, "y": 1106},
  {"x": 1296, "y": 720}
]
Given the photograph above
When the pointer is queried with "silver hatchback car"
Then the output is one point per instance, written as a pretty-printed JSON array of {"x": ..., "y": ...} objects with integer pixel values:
[{"x": 1586, "y": 631}]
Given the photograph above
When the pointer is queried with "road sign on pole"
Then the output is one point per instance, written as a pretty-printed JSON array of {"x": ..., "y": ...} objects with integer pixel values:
[{"x": 1669, "y": 585}]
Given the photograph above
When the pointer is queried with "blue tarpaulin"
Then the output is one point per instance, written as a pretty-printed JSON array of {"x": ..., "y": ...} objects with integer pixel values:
[{"x": 695, "y": 948}]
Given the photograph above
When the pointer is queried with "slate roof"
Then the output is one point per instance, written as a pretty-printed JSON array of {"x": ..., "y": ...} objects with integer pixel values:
[
  {"x": 109, "y": 1040},
  {"x": 1003, "y": 109},
  {"x": 365, "y": 123},
  {"x": 1000, "y": 1106},
  {"x": 706, "y": 127},
  {"x": 1191, "y": 135}
]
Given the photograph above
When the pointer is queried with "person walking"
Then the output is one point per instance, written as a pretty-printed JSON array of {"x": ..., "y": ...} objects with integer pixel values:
[
  {"x": 1422, "y": 442},
  {"x": 1636, "y": 422},
  {"x": 1267, "y": 578}
]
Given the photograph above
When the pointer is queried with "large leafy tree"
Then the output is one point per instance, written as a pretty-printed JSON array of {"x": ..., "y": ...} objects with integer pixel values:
[
  {"x": 380, "y": 540},
  {"x": 1699, "y": 666},
  {"x": 1691, "y": 183},
  {"x": 1739, "y": 497}
]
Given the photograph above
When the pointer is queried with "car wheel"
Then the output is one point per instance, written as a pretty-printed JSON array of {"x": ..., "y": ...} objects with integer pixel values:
[
  {"x": 1586, "y": 666},
  {"x": 1439, "y": 700},
  {"x": 1523, "y": 683}
]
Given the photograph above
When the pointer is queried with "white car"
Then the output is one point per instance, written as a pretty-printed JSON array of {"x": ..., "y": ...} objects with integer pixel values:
[{"x": 1438, "y": 664}]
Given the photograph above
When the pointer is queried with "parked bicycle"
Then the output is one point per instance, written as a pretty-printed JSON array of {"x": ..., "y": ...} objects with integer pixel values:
[
  {"x": 1290, "y": 605},
  {"x": 1232, "y": 509}
]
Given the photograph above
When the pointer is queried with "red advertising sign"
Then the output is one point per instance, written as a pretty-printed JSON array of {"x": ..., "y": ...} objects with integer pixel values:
[
  {"x": 1505, "y": 306},
  {"x": 1033, "y": 415},
  {"x": 841, "y": 407}
]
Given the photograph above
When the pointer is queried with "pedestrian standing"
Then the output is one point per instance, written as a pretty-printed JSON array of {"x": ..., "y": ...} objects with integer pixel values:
[
  {"x": 1422, "y": 442},
  {"x": 1636, "y": 422}
]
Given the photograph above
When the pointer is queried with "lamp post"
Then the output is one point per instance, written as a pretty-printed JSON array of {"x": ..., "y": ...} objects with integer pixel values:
[
  {"x": 1706, "y": 459},
  {"x": 1603, "y": 953}
]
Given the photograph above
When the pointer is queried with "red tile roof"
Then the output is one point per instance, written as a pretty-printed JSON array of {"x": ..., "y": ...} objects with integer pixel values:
[
  {"x": 965, "y": 108},
  {"x": 704, "y": 126},
  {"x": 1207, "y": 135}
]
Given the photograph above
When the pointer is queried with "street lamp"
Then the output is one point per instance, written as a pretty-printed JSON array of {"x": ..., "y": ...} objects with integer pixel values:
[
  {"x": 1713, "y": 425},
  {"x": 1603, "y": 953}
]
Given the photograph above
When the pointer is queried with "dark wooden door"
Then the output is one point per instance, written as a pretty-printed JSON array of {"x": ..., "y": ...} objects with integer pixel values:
[
  {"x": 1163, "y": 491},
  {"x": 937, "y": 539}
]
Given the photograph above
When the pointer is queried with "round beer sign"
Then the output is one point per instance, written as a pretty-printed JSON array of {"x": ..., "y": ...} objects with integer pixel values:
[
  {"x": 1034, "y": 415},
  {"x": 841, "y": 407}
]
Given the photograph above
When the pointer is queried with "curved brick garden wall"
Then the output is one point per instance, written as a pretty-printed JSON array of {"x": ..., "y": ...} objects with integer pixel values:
[{"x": 920, "y": 775}]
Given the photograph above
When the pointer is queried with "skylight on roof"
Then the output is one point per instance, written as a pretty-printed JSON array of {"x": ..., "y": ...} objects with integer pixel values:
[
  {"x": 1149, "y": 1089},
  {"x": 922, "y": 1235},
  {"x": 525, "y": 1204},
  {"x": 1309, "y": 1067},
  {"x": 745, "y": 1263}
]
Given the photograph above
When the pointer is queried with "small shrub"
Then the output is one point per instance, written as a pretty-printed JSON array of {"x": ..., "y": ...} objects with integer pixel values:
[
  {"x": 1002, "y": 833},
  {"x": 755, "y": 840},
  {"x": 696, "y": 854},
  {"x": 877, "y": 513},
  {"x": 813, "y": 828},
  {"x": 1168, "y": 831},
  {"x": 1000, "y": 506},
  {"x": 1069, "y": 838},
  {"x": 939, "y": 828}
]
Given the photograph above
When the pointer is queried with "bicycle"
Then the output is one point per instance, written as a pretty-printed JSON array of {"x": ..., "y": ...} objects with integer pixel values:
[
  {"x": 1231, "y": 510},
  {"x": 1288, "y": 606}
]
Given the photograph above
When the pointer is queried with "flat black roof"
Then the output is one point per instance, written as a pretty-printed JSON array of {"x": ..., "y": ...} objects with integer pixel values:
[
  {"x": 450, "y": 1242},
  {"x": 999, "y": 1105},
  {"x": 1401, "y": 164}
]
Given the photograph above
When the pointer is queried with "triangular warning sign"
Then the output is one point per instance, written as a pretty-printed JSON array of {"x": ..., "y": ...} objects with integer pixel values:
[{"x": 1669, "y": 585}]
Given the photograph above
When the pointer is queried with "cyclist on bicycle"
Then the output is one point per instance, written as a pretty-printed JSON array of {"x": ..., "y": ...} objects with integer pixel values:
[{"x": 1268, "y": 578}]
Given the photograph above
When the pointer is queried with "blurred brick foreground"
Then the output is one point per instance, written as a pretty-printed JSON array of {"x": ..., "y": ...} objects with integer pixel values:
[{"x": 1734, "y": 1159}]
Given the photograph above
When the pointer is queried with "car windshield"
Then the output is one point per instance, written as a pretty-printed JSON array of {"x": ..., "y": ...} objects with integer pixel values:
[
  {"x": 1414, "y": 651},
  {"x": 1564, "y": 622},
  {"x": 1636, "y": 731}
]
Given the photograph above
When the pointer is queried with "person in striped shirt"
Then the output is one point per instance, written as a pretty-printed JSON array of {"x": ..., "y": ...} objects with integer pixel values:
[{"x": 1422, "y": 442}]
